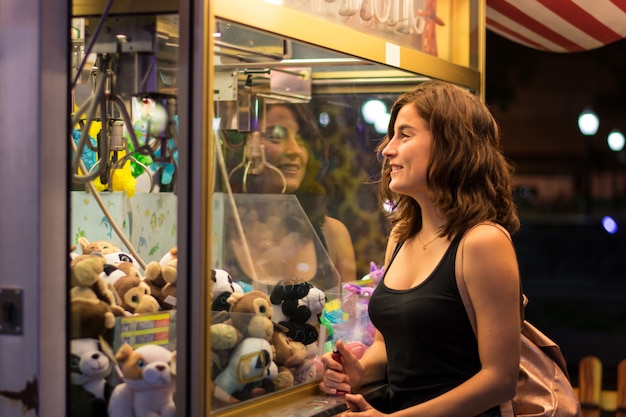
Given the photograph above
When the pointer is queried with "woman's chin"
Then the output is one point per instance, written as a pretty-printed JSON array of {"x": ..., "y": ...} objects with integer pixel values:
[{"x": 292, "y": 187}]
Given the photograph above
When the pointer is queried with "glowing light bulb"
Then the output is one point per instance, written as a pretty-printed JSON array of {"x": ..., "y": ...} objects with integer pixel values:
[{"x": 588, "y": 122}]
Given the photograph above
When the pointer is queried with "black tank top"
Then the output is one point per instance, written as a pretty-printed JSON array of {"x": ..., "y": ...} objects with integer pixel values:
[{"x": 431, "y": 347}]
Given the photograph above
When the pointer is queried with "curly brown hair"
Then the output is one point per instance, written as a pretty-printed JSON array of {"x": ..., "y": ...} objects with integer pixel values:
[{"x": 469, "y": 179}]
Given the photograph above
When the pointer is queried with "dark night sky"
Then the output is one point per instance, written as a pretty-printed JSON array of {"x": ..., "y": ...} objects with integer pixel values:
[
  {"x": 572, "y": 271},
  {"x": 537, "y": 97}
]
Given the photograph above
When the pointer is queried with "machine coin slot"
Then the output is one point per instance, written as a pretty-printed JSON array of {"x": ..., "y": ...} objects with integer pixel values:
[{"x": 11, "y": 311}]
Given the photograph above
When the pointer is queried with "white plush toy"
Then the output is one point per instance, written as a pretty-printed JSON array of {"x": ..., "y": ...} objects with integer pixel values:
[
  {"x": 149, "y": 383},
  {"x": 90, "y": 366}
]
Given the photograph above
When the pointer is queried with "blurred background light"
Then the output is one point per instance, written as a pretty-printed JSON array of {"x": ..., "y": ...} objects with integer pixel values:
[
  {"x": 616, "y": 140},
  {"x": 609, "y": 224},
  {"x": 588, "y": 122},
  {"x": 372, "y": 109}
]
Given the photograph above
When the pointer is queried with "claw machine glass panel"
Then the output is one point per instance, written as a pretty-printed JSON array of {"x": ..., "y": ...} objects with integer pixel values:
[
  {"x": 298, "y": 235},
  {"x": 124, "y": 205}
]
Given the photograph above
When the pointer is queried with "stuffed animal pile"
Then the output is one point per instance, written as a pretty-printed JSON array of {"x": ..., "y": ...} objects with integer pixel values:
[
  {"x": 260, "y": 342},
  {"x": 104, "y": 272},
  {"x": 263, "y": 343},
  {"x": 107, "y": 283}
]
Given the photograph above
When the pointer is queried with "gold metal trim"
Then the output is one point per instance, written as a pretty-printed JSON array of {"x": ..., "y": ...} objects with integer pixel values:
[
  {"x": 310, "y": 29},
  {"x": 208, "y": 139},
  {"x": 482, "y": 45},
  {"x": 82, "y": 8},
  {"x": 270, "y": 402}
]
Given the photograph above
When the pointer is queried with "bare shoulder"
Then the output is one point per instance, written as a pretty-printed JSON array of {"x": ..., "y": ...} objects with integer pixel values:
[
  {"x": 487, "y": 236},
  {"x": 488, "y": 252}
]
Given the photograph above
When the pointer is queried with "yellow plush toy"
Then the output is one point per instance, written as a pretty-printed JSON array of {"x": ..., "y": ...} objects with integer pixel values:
[{"x": 122, "y": 179}]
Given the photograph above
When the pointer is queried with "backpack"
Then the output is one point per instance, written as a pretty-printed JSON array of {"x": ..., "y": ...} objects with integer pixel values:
[{"x": 543, "y": 385}]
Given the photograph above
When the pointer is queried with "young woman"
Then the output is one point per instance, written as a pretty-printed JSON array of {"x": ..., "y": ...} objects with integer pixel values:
[
  {"x": 294, "y": 150},
  {"x": 444, "y": 173}
]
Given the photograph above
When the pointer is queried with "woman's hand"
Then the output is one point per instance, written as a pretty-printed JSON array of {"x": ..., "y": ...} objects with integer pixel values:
[
  {"x": 343, "y": 376},
  {"x": 358, "y": 406}
]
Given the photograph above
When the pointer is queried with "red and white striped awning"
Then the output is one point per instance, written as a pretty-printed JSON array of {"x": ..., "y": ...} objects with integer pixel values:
[{"x": 558, "y": 25}]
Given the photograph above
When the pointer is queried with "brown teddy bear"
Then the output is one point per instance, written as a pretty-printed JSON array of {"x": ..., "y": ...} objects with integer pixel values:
[
  {"x": 91, "y": 318},
  {"x": 87, "y": 281},
  {"x": 249, "y": 329},
  {"x": 161, "y": 277}
]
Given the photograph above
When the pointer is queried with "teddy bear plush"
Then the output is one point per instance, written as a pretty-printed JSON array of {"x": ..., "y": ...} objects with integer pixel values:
[
  {"x": 91, "y": 318},
  {"x": 149, "y": 383},
  {"x": 250, "y": 368},
  {"x": 87, "y": 282},
  {"x": 135, "y": 295},
  {"x": 295, "y": 357},
  {"x": 100, "y": 246},
  {"x": 161, "y": 277},
  {"x": 249, "y": 315}
]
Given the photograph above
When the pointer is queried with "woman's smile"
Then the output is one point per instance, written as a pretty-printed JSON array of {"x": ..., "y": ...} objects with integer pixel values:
[{"x": 289, "y": 169}]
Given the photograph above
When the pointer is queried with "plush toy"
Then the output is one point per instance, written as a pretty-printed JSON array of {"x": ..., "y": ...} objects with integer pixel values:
[
  {"x": 135, "y": 295},
  {"x": 251, "y": 314},
  {"x": 100, "y": 246},
  {"x": 149, "y": 383},
  {"x": 114, "y": 272},
  {"x": 87, "y": 282},
  {"x": 297, "y": 305},
  {"x": 90, "y": 357},
  {"x": 121, "y": 179},
  {"x": 90, "y": 367},
  {"x": 224, "y": 338},
  {"x": 374, "y": 276},
  {"x": 222, "y": 287},
  {"x": 250, "y": 362},
  {"x": 117, "y": 258},
  {"x": 91, "y": 318},
  {"x": 250, "y": 367},
  {"x": 354, "y": 322},
  {"x": 161, "y": 277},
  {"x": 112, "y": 254},
  {"x": 295, "y": 357}
]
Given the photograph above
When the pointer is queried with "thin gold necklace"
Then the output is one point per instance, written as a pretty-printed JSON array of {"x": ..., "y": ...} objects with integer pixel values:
[{"x": 425, "y": 245}]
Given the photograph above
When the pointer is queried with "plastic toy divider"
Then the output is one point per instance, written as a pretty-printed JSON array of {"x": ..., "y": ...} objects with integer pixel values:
[{"x": 158, "y": 328}]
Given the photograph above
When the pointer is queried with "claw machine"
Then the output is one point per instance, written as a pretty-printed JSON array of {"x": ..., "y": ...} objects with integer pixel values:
[
  {"x": 301, "y": 93},
  {"x": 191, "y": 194},
  {"x": 139, "y": 182}
]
